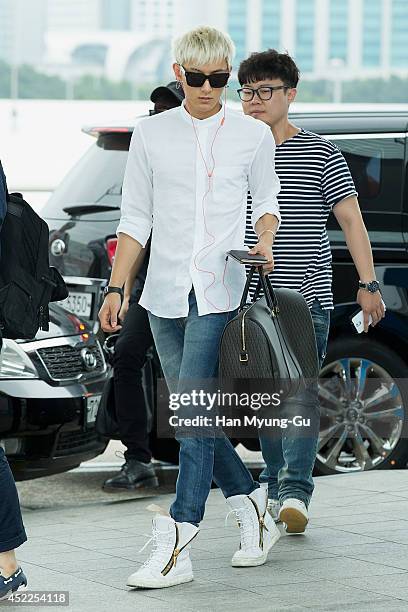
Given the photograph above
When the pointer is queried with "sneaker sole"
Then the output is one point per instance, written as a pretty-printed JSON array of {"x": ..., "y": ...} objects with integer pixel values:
[
  {"x": 158, "y": 584},
  {"x": 294, "y": 520},
  {"x": 149, "y": 483},
  {"x": 21, "y": 587},
  {"x": 6, "y": 595},
  {"x": 258, "y": 561}
]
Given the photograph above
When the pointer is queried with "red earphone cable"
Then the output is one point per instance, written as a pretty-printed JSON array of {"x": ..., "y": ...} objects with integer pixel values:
[{"x": 212, "y": 237}]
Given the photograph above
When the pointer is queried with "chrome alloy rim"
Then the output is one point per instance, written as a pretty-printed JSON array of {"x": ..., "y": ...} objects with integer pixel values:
[{"x": 361, "y": 415}]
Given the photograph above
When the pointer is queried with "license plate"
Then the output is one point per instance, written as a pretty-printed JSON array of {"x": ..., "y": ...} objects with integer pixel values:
[
  {"x": 92, "y": 405},
  {"x": 78, "y": 303}
]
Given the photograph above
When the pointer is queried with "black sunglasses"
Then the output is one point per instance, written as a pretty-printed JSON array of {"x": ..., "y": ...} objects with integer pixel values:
[{"x": 197, "y": 79}]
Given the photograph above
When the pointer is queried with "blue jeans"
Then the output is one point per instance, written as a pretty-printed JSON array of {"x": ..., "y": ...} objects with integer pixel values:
[
  {"x": 12, "y": 533},
  {"x": 290, "y": 456},
  {"x": 188, "y": 350}
]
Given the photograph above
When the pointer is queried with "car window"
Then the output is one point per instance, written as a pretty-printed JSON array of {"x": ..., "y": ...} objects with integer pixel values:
[
  {"x": 376, "y": 165},
  {"x": 96, "y": 179}
]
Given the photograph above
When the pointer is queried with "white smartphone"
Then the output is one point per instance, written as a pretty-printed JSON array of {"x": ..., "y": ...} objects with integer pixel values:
[{"x": 358, "y": 320}]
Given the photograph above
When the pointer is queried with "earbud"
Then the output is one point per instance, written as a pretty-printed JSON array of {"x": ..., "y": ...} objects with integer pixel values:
[{"x": 210, "y": 175}]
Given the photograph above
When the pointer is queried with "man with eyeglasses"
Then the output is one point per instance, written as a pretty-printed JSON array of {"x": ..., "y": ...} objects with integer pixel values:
[
  {"x": 194, "y": 202},
  {"x": 315, "y": 180}
]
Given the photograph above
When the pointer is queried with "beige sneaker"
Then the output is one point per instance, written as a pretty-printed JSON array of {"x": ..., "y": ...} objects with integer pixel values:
[{"x": 293, "y": 514}]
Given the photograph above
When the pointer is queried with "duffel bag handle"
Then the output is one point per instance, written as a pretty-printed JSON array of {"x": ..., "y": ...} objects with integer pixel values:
[
  {"x": 246, "y": 288},
  {"x": 270, "y": 295},
  {"x": 269, "y": 292}
]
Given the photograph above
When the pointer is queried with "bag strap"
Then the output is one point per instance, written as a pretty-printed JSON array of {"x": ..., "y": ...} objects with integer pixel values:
[
  {"x": 246, "y": 288},
  {"x": 268, "y": 290}
]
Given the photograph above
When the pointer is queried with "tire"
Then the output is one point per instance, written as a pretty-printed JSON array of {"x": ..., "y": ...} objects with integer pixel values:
[{"x": 373, "y": 364}]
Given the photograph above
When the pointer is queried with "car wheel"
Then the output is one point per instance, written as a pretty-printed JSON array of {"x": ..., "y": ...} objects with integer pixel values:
[{"x": 364, "y": 408}]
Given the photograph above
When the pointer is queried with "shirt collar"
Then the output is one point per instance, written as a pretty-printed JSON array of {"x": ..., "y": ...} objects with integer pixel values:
[{"x": 202, "y": 122}]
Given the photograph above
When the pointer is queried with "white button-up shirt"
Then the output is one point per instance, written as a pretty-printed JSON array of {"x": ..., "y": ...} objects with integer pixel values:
[{"x": 195, "y": 219}]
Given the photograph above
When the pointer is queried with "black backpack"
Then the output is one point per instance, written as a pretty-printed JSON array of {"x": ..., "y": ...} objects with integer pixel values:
[{"x": 27, "y": 282}]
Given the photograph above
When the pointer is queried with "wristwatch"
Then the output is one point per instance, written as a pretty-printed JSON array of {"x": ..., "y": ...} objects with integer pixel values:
[
  {"x": 372, "y": 286},
  {"x": 109, "y": 289}
]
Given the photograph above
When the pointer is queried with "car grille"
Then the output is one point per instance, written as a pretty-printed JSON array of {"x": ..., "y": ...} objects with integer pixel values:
[
  {"x": 76, "y": 441},
  {"x": 65, "y": 362}
]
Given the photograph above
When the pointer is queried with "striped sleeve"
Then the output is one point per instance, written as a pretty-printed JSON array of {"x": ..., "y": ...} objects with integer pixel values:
[
  {"x": 337, "y": 182},
  {"x": 3, "y": 195}
]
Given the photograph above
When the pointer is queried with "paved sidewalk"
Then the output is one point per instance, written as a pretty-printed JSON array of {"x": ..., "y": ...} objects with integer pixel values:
[{"x": 354, "y": 555}]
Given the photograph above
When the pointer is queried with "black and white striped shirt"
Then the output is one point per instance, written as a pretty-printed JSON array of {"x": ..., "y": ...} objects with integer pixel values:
[{"x": 314, "y": 176}]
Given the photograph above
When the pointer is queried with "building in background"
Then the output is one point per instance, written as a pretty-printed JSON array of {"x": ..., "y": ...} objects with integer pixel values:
[
  {"x": 118, "y": 39},
  {"x": 73, "y": 15},
  {"x": 357, "y": 38},
  {"x": 22, "y": 27},
  {"x": 115, "y": 15},
  {"x": 127, "y": 39},
  {"x": 157, "y": 17}
]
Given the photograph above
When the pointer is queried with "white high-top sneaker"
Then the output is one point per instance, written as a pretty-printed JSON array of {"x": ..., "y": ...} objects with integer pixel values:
[
  {"x": 169, "y": 563},
  {"x": 274, "y": 509},
  {"x": 258, "y": 530},
  {"x": 293, "y": 514}
]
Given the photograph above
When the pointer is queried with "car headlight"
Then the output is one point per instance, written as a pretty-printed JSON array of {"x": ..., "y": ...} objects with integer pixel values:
[{"x": 15, "y": 363}]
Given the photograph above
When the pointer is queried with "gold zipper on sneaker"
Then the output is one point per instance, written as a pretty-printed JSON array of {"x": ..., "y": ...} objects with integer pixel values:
[
  {"x": 176, "y": 551},
  {"x": 261, "y": 522},
  {"x": 173, "y": 559}
]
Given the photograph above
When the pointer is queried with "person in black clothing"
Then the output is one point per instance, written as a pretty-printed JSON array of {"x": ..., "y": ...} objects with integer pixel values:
[
  {"x": 130, "y": 356},
  {"x": 12, "y": 533}
]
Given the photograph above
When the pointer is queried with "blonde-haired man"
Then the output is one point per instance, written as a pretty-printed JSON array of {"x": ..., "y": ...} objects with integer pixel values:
[{"x": 195, "y": 201}]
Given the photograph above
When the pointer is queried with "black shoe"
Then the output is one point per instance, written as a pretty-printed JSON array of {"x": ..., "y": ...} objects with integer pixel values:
[
  {"x": 12, "y": 583},
  {"x": 133, "y": 475}
]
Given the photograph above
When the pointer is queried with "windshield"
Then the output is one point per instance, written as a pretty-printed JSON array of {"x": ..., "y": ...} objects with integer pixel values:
[{"x": 96, "y": 179}]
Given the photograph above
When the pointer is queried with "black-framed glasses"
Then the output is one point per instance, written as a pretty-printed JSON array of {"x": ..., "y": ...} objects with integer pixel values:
[
  {"x": 264, "y": 93},
  {"x": 197, "y": 79}
]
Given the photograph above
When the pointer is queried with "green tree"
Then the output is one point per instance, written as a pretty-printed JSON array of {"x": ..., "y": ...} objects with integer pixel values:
[
  {"x": 4, "y": 80},
  {"x": 34, "y": 84},
  {"x": 394, "y": 89},
  {"x": 31, "y": 84},
  {"x": 99, "y": 88}
]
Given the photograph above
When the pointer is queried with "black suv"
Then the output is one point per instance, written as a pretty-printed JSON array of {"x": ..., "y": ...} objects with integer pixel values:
[{"x": 364, "y": 404}]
